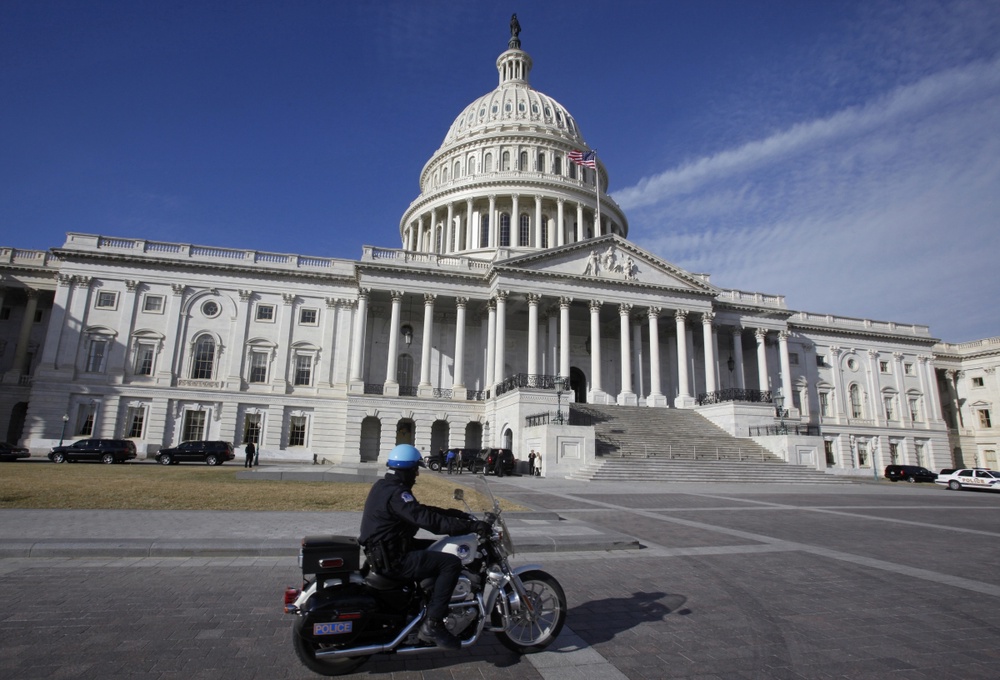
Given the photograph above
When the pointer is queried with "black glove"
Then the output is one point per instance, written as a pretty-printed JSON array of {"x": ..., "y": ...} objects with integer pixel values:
[{"x": 482, "y": 529}]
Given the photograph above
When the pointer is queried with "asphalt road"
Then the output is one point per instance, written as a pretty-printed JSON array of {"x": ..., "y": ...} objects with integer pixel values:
[{"x": 860, "y": 581}]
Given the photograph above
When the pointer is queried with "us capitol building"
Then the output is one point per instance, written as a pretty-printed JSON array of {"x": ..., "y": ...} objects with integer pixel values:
[{"x": 513, "y": 299}]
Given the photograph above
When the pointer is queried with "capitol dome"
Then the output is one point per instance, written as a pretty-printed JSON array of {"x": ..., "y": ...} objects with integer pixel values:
[{"x": 504, "y": 176}]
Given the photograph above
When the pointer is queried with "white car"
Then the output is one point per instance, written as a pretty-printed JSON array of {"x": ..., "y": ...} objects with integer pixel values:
[{"x": 971, "y": 478}]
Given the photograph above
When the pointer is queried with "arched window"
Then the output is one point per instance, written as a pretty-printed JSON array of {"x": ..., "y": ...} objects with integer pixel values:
[
  {"x": 470, "y": 165},
  {"x": 504, "y": 230},
  {"x": 541, "y": 162},
  {"x": 203, "y": 364},
  {"x": 444, "y": 174},
  {"x": 545, "y": 231},
  {"x": 522, "y": 162},
  {"x": 505, "y": 159},
  {"x": 484, "y": 231},
  {"x": 488, "y": 163},
  {"x": 572, "y": 171},
  {"x": 438, "y": 239},
  {"x": 524, "y": 230},
  {"x": 855, "y": 396},
  {"x": 457, "y": 172},
  {"x": 557, "y": 166}
]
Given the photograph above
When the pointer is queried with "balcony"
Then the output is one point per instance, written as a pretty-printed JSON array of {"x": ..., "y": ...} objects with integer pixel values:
[{"x": 734, "y": 394}]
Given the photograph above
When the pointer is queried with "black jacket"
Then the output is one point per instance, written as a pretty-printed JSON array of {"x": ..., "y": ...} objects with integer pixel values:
[{"x": 393, "y": 516}]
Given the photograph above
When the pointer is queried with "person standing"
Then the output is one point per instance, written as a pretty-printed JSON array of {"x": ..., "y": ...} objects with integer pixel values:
[
  {"x": 458, "y": 460},
  {"x": 531, "y": 463},
  {"x": 251, "y": 452},
  {"x": 498, "y": 463},
  {"x": 450, "y": 459}
]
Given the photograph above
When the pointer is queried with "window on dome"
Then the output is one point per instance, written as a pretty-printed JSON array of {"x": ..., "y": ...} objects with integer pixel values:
[
  {"x": 504, "y": 230},
  {"x": 524, "y": 231},
  {"x": 507, "y": 107},
  {"x": 444, "y": 174},
  {"x": 541, "y": 162},
  {"x": 557, "y": 169},
  {"x": 522, "y": 162},
  {"x": 494, "y": 109},
  {"x": 520, "y": 107},
  {"x": 482, "y": 112},
  {"x": 534, "y": 109},
  {"x": 545, "y": 231},
  {"x": 572, "y": 171},
  {"x": 484, "y": 232},
  {"x": 488, "y": 164},
  {"x": 505, "y": 159},
  {"x": 548, "y": 112},
  {"x": 471, "y": 165},
  {"x": 457, "y": 172}
]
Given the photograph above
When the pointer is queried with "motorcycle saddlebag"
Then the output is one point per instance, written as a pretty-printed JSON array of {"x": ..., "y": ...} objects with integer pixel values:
[{"x": 329, "y": 555}]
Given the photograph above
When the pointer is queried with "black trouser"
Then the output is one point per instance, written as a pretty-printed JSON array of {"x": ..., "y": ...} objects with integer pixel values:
[
  {"x": 420, "y": 564},
  {"x": 249, "y": 460}
]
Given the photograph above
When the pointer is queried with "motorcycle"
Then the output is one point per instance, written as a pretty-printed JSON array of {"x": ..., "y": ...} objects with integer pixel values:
[{"x": 346, "y": 613}]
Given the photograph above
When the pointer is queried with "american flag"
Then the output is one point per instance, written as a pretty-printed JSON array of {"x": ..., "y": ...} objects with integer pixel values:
[{"x": 587, "y": 158}]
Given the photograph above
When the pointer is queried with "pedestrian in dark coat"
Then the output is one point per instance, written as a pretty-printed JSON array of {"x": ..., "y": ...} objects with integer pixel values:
[{"x": 251, "y": 452}]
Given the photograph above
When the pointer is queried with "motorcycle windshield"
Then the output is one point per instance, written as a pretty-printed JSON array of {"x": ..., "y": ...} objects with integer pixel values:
[{"x": 488, "y": 503}]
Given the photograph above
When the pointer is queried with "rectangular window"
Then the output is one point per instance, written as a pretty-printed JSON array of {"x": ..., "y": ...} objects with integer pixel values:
[
  {"x": 251, "y": 429},
  {"x": 258, "y": 367},
  {"x": 890, "y": 413},
  {"x": 265, "y": 313},
  {"x": 893, "y": 452},
  {"x": 106, "y": 300},
  {"x": 820, "y": 360},
  {"x": 831, "y": 459},
  {"x": 824, "y": 404},
  {"x": 914, "y": 410},
  {"x": 918, "y": 450},
  {"x": 978, "y": 382},
  {"x": 862, "y": 454},
  {"x": 134, "y": 421},
  {"x": 908, "y": 369},
  {"x": 303, "y": 369},
  {"x": 85, "y": 419},
  {"x": 96, "y": 354},
  {"x": 38, "y": 316},
  {"x": 4, "y": 313},
  {"x": 308, "y": 317},
  {"x": 793, "y": 359},
  {"x": 144, "y": 359},
  {"x": 297, "y": 431},
  {"x": 194, "y": 426},
  {"x": 883, "y": 367},
  {"x": 984, "y": 418},
  {"x": 153, "y": 304}
]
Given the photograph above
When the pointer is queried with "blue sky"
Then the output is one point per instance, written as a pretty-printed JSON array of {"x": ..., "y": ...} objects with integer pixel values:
[{"x": 844, "y": 154}]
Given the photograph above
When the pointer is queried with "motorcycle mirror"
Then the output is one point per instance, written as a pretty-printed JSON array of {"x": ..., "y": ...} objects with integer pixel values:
[{"x": 460, "y": 495}]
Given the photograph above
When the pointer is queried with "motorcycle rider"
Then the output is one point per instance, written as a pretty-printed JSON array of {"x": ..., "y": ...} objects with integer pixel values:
[{"x": 391, "y": 519}]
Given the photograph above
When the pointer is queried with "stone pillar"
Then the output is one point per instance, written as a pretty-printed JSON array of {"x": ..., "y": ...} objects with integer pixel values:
[
  {"x": 60, "y": 305},
  {"x": 597, "y": 395},
  {"x": 638, "y": 381},
  {"x": 786, "y": 369},
  {"x": 626, "y": 397},
  {"x": 553, "y": 340},
  {"x": 357, "y": 385},
  {"x": 656, "y": 396},
  {"x": 515, "y": 221},
  {"x": 470, "y": 226},
  {"x": 537, "y": 231},
  {"x": 560, "y": 221},
  {"x": 171, "y": 362},
  {"x": 449, "y": 245},
  {"x": 391, "y": 385},
  {"x": 501, "y": 339},
  {"x": 741, "y": 381},
  {"x": 491, "y": 343},
  {"x": 711, "y": 385},
  {"x": 533, "y": 300},
  {"x": 929, "y": 386},
  {"x": 761, "y": 335},
  {"x": 458, "y": 384},
  {"x": 840, "y": 395},
  {"x": 24, "y": 335},
  {"x": 432, "y": 243},
  {"x": 579, "y": 223},
  {"x": 683, "y": 399},
  {"x": 564, "y": 303},
  {"x": 493, "y": 222},
  {"x": 426, "y": 341}
]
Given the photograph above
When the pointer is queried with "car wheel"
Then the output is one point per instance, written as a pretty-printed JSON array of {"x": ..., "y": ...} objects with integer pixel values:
[
  {"x": 212, "y": 459},
  {"x": 58, "y": 457},
  {"x": 108, "y": 458},
  {"x": 911, "y": 479},
  {"x": 954, "y": 485},
  {"x": 435, "y": 466},
  {"x": 164, "y": 460}
]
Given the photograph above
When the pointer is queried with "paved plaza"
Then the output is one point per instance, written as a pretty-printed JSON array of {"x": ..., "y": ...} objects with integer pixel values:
[{"x": 663, "y": 580}]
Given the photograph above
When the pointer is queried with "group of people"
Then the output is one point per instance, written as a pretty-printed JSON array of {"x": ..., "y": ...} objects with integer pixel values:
[{"x": 453, "y": 458}]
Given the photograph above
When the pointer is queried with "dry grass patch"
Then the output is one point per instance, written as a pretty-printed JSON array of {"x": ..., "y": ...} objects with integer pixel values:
[{"x": 90, "y": 486}]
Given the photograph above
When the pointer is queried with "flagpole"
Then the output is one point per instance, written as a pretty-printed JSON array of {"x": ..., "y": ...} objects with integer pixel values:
[{"x": 597, "y": 193}]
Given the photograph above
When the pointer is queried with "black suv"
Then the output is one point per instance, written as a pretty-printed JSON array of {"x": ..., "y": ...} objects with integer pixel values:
[
  {"x": 439, "y": 461},
  {"x": 104, "y": 450},
  {"x": 911, "y": 473},
  {"x": 487, "y": 460},
  {"x": 212, "y": 453}
]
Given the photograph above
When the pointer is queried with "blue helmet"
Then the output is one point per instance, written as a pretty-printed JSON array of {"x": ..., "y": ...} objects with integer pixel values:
[{"x": 405, "y": 457}]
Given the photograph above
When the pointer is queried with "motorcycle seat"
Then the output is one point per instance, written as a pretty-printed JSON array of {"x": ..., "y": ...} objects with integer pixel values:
[{"x": 382, "y": 582}]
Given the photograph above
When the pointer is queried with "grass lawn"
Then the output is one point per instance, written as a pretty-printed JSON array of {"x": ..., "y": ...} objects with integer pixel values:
[{"x": 93, "y": 486}]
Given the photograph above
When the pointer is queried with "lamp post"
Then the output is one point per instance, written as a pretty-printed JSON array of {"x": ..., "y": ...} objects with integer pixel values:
[
  {"x": 778, "y": 403},
  {"x": 731, "y": 364},
  {"x": 560, "y": 386},
  {"x": 62, "y": 435}
]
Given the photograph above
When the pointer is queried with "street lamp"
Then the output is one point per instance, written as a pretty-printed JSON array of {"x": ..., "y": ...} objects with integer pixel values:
[
  {"x": 778, "y": 403},
  {"x": 560, "y": 386},
  {"x": 62, "y": 435}
]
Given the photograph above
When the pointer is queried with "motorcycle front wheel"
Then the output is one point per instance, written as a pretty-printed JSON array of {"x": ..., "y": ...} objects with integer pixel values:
[
  {"x": 306, "y": 651},
  {"x": 532, "y": 630}
]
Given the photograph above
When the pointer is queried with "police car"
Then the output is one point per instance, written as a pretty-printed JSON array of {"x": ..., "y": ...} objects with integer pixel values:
[{"x": 970, "y": 478}]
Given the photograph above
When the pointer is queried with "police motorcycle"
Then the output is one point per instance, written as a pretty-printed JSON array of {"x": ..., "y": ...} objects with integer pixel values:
[{"x": 346, "y": 613}]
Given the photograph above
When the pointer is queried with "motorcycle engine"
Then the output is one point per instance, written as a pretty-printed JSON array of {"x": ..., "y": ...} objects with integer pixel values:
[
  {"x": 463, "y": 589},
  {"x": 460, "y": 618}
]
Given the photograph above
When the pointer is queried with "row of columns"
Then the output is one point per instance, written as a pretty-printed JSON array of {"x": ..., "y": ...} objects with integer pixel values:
[
  {"x": 20, "y": 366},
  {"x": 464, "y": 234},
  {"x": 496, "y": 343}
]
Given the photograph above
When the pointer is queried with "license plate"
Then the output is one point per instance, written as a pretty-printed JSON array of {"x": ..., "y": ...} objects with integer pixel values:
[{"x": 333, "y": 628}]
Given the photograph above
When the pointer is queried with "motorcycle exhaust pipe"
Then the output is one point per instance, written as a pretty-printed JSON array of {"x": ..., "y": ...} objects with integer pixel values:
[{"x": 373, "y": 649}]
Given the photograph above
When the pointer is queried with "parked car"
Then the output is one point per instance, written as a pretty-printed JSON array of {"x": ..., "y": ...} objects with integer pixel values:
[
  {"x": 486, "y": 461},
  {"x": 971, "y": 478},
  {"x": 11, "y": 452},
  {"x": 911, "y": 473},
  {"x": 439, "y": 461},
  {"x": 104, "y": 450},
  {"x": 209, "y": 452}
]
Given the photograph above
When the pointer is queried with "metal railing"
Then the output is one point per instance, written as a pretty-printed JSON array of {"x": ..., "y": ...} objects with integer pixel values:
[
  {"x": 734, "y": 394},
  {"x": 374, "y": 388},
  {"x": 477, "y": 395},
  {"x": 520, "y": 380},
  {"x": 787, "y": 428},
  {"x": 440, "y": 393}
]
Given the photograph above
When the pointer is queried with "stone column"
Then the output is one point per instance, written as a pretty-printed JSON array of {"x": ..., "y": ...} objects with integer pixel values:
[
  {"x": 711, "y": 384},
  {"x": 560, "y": 221},
  {"x": 458, "y": 384},
  {"x": 597, "y": 395},
  {"x": 432, "y": 246},
  {"x": 493, "y": 222},
  {"x": 533, "y": 300},
  {"x": 564, "y": 303},
  {"x": 470, "y": 226},
  {"x": 238, "y": 341},
  {"x": 357, "y": 385},
  {"x": 579, "y": 223},
  {"x": 391, "y": 385},
  {"x": 761, "y": 335},
  {"x": 553, "y": 340},
  {"x": 60, "y": 308},
  {"x": 515, "y": 221},
  {"x": 427, "y": 338},
  {"x": 449, "y": 245},
  {"x": 501, "y": 339},
  {"x": 786, "y": 369},
  {"x": 491, "y": 343},
  {"x": 24, "y": 335},
  {"x": 537, "y": 231},
  {"x": 656, "y": 396},
  {"x": 683, "y": 399},
  {"x": 638, "y": 382},
  {"x": 929, "y": 386},
  {"x": 741, "y": 381},
  {"x": 171, "y": 363},
  {"x": 626, "y": 397}
]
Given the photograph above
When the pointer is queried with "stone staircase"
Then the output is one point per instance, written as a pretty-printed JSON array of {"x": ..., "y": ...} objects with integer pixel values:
[{"x": 679, "y": 445}]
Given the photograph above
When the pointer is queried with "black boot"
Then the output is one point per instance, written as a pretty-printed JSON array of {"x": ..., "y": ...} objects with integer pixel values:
[{"x": 434, "y": 631}]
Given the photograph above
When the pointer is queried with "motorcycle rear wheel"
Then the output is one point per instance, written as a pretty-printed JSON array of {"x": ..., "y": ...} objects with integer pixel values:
[
  {"x": 306, "y": 651},
  {"x": 527, "y": 633}
]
